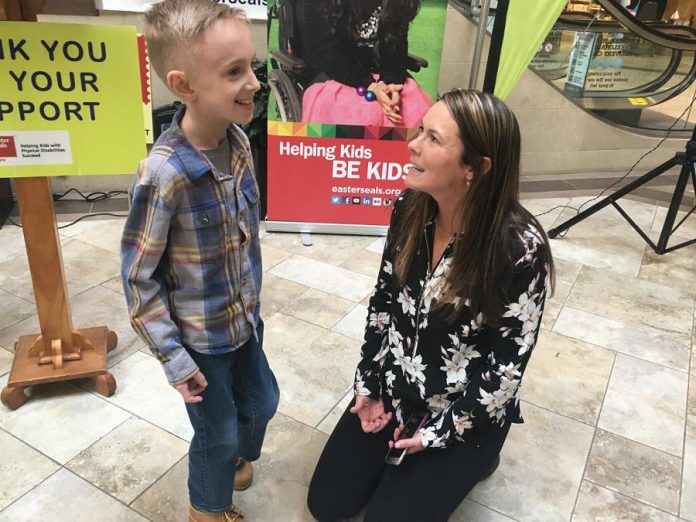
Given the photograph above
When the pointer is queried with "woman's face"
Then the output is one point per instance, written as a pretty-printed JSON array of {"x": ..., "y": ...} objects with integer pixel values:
[{"x": 436, "y": 157}]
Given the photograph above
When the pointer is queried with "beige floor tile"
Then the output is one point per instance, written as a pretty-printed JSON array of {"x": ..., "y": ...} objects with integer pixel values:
[
  {"x": 673, "y": 269},
  {"x": 68, "y": 498},
  {"x": 364, "y": 262},
  {"x": 115, "y": 284},
  {"x": 644, "y": 342},
  {"x": 329, "y": 422},
  {"x": 271, "y": 256},
  {"x": 686, "y": 231},
  {"x": 314, "y": 366},
  {"x": 84, "y": 226},
  {"x": 568, "y": 376},
  {"x": 646, "y": 403},
  {"x": 85, "y": 266},
  {"x": 552, "y": 308},
  {"x": 14, "y": 309},
  {"x": 167, "y": 499},
  {"x": 618, "y": 248},
  {"x": 97, "y": 306},
  {"x": 327, "y": 278},
  {"x": 100, "y": 306},
  {"x": 688, "y": 499},
  {"x": 691, "y": 402},
  {"x": 331, "y": 249},
  {"x": 635, "y": 470},
  {"x": 353, "y": 324},
  {"x": 641, "y": 303},
  {"x": 525, "y": 482},
  {"x": 318, "y": 308},
  {"x": 469, "y": 511},
  {"x": 21, "y": 468},
  {"x": 377, "y": 246},
  {"x": 596, "y": 503},
  {"x": 12, "y": 240},
  {"x": 6, "y": 358},
  {"x": 566, "y": 274},
  {"x": 282, "y": 474},
  {"x": 60, "y": 420},
  {"x": 276, "y": 293},
  {"x": 143, "y": 390},
  {"x": 106, "y": 235},
  {"x": 544, "y": 209},
  {"x": 129, "y": 459}
]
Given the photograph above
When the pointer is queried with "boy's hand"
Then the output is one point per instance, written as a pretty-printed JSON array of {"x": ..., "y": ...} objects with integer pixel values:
[{"x": 191, "y": 389}]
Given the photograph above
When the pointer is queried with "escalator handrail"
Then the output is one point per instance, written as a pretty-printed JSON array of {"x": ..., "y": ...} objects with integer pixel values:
[
  {"x": 644, "y": 30},
  {"x": 566, "y": 21}
]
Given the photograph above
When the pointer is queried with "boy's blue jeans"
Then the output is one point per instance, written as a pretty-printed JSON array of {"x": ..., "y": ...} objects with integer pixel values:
[{"x": 241, "y": 397}]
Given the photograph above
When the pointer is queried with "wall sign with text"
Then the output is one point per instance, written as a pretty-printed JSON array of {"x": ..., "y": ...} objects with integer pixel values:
[{"x": 71, "y": 101}]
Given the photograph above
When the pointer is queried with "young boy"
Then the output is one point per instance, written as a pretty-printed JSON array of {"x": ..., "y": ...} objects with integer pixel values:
[{"x": 190, "y": 255}]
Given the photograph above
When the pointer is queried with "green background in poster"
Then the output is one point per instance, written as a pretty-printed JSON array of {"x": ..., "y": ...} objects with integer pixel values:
[
  {"x": 111, "y": 144},
  {"x": 425, "y": 39}
]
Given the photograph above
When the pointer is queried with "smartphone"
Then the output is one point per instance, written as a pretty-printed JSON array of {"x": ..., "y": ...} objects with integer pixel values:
[{"x": 413, "y": 424}]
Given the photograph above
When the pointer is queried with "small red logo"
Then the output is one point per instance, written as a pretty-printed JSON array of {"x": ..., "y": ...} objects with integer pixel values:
[{"x": 8, "y": 148}]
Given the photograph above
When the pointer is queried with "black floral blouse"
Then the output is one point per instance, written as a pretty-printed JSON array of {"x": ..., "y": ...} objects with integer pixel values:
[{"x": 466, "y": 374}]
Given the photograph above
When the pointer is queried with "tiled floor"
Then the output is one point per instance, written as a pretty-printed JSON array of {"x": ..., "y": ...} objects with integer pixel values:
[{"x": 609, "y": 401}]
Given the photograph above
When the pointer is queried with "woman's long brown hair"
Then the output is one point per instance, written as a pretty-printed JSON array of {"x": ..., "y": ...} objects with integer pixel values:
[{"x": 490, "y": 216}]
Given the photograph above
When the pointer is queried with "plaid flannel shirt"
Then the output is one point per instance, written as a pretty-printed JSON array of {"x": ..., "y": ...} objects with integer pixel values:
[{"x": 190, "y": 253}]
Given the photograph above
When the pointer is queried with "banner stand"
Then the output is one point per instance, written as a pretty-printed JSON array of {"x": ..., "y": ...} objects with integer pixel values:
[
  {"x": 326, "y": 228},
  {"x": 58, "y": 353}
]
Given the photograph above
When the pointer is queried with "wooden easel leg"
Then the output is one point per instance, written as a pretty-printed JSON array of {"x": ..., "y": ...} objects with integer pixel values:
[
  {"x": 13, "y": 397},
  {"x": 105, "y": 384},
  {"x": 111, "y": 340}
]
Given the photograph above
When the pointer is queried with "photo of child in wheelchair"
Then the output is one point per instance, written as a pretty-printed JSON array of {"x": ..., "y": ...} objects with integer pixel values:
[{"x": 346, "y": 62}]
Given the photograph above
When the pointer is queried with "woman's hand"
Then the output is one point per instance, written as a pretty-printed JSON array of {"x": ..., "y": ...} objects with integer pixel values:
[
  {"x": 412, "y": 445},
  {"x": 389, "y": 99},
  {"x": 371, "y": 413}
]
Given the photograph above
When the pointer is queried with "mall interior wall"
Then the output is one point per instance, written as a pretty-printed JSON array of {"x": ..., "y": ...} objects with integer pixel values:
[{"x": 559, "y": 140}]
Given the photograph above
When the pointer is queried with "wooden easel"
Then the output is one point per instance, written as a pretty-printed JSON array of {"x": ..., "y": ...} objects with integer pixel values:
[{"x": 58, "y": 353}]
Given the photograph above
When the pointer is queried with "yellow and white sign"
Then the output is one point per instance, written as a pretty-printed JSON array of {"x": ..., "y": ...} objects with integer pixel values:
[{"x": 70, "y": 100}]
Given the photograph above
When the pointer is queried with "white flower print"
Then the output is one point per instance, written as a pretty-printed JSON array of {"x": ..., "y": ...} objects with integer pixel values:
[
  {"x": 387, "y": 267},
  {"x": 408, "y": 303},
  {"x": 438, "y": 402},
  {"x": 390, "y": 377},
  {"x": 360, "y": 388},
  {"x": 379, "y": 321},
  {"x": 462, "y": 422}
]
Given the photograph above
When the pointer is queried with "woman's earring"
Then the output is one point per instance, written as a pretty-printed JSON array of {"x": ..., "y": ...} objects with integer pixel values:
[{"x": 468, "y": 182}]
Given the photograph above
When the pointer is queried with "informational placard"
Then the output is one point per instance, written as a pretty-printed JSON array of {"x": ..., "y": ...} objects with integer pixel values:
[
  {"x": 580, "y": 59},
  {"x": 254, "y": 9},
  {"x": 70, "y": 100},
  {"x": 336, "y": 174}
]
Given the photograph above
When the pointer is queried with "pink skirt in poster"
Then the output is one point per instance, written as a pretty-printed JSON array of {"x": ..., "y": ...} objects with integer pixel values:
[{"x": 336, "y": 103}]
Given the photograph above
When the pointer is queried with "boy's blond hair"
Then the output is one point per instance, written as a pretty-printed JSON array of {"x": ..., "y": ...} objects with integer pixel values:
[{"x": 174, "y": 25}]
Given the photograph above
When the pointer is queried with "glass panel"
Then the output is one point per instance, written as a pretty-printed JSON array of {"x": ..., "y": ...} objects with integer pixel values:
[{"x": 619, "y": 75}]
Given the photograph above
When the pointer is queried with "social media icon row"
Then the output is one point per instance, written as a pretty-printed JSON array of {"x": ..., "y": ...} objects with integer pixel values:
[{"x": 356, "y": 200}]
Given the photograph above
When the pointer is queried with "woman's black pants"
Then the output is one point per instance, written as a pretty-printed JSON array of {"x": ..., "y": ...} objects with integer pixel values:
[{"x": 426, "y": 486}]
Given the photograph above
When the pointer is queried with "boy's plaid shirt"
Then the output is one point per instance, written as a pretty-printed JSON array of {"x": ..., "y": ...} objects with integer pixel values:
[{"x": 190, "y": 253}]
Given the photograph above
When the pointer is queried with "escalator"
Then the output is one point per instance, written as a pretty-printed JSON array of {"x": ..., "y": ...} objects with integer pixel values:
[{"x": 636, "y": 74}]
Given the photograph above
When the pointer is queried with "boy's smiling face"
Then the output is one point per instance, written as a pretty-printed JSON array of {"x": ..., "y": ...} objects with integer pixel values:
[{"x": 220, "y": 74}]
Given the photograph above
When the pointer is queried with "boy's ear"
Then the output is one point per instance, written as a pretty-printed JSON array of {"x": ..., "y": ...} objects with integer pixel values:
[{"x": 179, "y": 85}]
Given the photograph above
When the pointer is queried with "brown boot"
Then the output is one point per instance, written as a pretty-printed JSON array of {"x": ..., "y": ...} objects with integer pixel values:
[
  {"x": 233, "y": 515},
  {"x": 243, "y": 475}
]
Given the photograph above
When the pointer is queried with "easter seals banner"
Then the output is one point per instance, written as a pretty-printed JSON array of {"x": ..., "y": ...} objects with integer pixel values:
[
  {"x": 254, "y": 9},
  {"x": 336, "y": 158},
  {"x": 71, "y": 100}
]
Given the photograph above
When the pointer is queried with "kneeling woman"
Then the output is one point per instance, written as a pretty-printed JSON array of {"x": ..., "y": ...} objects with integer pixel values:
[{"x": 450, "y": 328}]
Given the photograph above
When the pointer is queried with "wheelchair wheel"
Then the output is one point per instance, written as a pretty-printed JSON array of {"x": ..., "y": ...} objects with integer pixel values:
[{"x": 288, "y": 102}]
